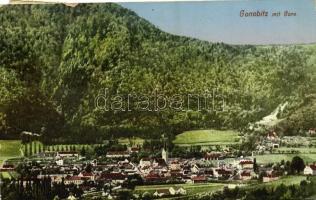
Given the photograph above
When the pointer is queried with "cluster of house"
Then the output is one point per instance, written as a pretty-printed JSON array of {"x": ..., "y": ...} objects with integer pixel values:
[
  {"x": 66, "y": 167},
  {"x": 270, "y": 141},
  {"x": 160, "y": 170},
  {"x": 151, "y": 170},
  {"x": 273, "y": 141}
]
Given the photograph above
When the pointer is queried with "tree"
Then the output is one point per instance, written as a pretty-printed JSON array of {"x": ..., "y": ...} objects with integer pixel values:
[
  {"x": 88, "y": 168},
  {"x": 297, "y": 164},
  {"x": 255, "y": 165},
  {"x": 83, "y": 151}
]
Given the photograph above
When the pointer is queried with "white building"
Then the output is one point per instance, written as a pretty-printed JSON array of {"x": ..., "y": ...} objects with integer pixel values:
[
  {"x": 310, "y": 170},
  {"x": 67, "y": 154},
  {"x": 60, "y": 162},
  {"x": 164, "y": 155}
]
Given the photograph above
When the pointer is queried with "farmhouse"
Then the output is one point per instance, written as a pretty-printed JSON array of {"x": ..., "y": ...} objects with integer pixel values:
[{"x": 310, "y": 170}]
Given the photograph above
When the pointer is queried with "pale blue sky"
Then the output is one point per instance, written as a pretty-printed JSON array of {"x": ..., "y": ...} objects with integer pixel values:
[{"x": 219, "y": 21}]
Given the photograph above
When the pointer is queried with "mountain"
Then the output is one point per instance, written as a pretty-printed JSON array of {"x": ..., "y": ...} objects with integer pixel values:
[{"x": 56, "y": 62}]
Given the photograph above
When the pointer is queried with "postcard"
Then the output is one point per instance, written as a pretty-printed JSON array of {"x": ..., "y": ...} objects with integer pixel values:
[{"x": 187, "y": 100}]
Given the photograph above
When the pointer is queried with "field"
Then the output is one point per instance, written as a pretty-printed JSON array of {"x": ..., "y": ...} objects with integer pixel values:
[
  {"x": 299, "y": 149},
  {"x": 206, "y": 137},
  {"x": 9, "y": 149},
  {"x": 134, "y": 141},
  {"x": 8, "y": 175},
  {"x": 190, "y": 188},
  {"x": 272, "y": 158},
  {"x": 288, "y": 180}
]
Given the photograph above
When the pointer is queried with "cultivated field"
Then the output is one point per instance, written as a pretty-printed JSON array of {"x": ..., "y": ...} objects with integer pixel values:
[
  {"x": 9, "y": 149},
  {"x": 288, "y": 180},
  {"x": 299, "y": 149},
  {"x": 273, "y": 158},
  {"x": 134, "y": 141},
  {"x": 206, "y": 137},
  {"x": 9, "y": 175}
]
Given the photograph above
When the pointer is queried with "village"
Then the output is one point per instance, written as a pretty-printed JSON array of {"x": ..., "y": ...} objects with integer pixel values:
[{"x": 117, "y": 171}]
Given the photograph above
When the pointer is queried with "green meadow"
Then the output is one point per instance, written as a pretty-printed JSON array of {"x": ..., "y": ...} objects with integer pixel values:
[
  {"x": 273, "y": 158},
  {"x": 207, "y": 137},
  {"x": 9, "y": 149}
]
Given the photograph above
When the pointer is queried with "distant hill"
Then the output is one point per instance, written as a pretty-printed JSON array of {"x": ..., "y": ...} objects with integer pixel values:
[{"x": 55, "y": 60}]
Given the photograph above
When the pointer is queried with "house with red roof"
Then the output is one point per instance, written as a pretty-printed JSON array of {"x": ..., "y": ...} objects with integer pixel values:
[
  {"x": 245, "y": 175},
  {"x": 88, "y": 175},
  {"x": 134, "y": 149},
  {"x": 7, "y": 168},
  {"x": 270, "y": 177},
  {"x": 114, "y": 177},
  {"x": 199, "y": 179},
  {"x": 246, "y": 164},
  {"x": 222, "y": 172},
  {"x": 154, "y": 177}
]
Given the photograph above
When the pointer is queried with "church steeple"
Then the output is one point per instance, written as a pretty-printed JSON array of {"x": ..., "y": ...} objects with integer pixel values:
[
  {"x": 164, "y": 152},
  {"x": 164, "y": 155}
]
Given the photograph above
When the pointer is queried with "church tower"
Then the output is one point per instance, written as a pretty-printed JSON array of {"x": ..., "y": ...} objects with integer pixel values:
[
  {"x": 164, "y": 152},
  {"x": 164, "y": 155}
]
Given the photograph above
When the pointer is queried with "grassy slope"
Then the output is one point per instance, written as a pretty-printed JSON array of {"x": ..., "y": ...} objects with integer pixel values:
[
  {"x": 206, "y": 137},
  {"x": 9, "y": 149},
  {"x": 289, "y": 180}
]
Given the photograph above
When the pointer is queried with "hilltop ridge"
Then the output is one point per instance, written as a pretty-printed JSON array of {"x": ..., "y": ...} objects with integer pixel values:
[{"x": 55, "y": 60}]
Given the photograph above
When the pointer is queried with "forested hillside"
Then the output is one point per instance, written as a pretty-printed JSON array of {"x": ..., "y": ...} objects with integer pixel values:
[{"x": 55, "y": 60}]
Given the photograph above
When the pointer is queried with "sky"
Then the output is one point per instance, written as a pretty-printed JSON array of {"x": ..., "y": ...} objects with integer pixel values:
[{"x": 220, "y": 21}]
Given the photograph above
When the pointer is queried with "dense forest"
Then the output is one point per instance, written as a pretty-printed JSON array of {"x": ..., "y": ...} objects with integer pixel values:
[{"x": 55, "y": 60}]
